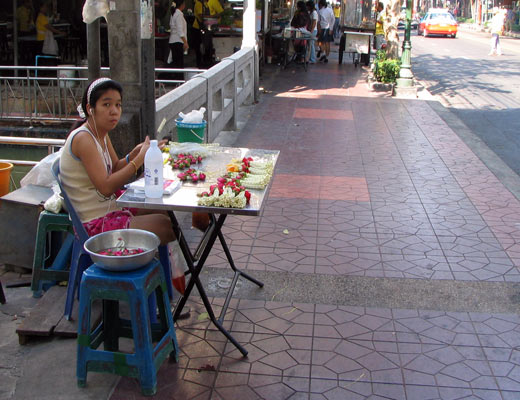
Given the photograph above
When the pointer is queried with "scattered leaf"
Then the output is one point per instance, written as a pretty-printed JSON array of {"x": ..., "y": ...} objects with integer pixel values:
[
  {"x": 285, "y": 231},
  {"x": 203, "y": 316},
  {"x": 288, "y": 312},
  {"x": 207, "y": 367}
]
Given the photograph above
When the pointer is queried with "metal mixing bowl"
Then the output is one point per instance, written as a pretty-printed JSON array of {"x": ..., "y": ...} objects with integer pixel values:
[{"x": 129, "y": 238}]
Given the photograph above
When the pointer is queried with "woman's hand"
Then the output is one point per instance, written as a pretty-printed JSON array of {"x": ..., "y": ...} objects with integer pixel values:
[
  {"x": 185, "y": 46},
  {"x": 142, "y": 151}
]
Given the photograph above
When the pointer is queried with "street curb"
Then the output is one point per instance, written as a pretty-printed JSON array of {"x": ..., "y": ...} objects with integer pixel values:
[
  {"x": 478, "y": 28},
  {"x": 499, "y": 168}
]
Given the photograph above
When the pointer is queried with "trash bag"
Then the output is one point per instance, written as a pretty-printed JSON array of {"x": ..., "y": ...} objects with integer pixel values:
[
  {"x": 55, "y": 202},
  {"x": 178, "y": 267},
  {"x": 93, "y": 9},
  {"x": 193, "y": 117},
  {"x": 41, "y": 173}
]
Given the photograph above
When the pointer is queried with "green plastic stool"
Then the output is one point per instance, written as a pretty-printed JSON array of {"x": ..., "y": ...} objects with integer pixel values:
[{"x": 50, "y": 222}]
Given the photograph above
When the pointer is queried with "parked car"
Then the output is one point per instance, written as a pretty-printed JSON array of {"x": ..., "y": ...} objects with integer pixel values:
[
  {"x": 402, "y": 23},
  {"x": 438, "y": 22}
]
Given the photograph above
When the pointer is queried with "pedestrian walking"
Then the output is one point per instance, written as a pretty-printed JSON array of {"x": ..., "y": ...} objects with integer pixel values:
[
  {"x": 497, "y": 28},
  {"x": 326, "y": 16},
  {"x": 178, "y": 36},
  {"x": 313, "y": 29},
  {"x": 337, "y": 13}
]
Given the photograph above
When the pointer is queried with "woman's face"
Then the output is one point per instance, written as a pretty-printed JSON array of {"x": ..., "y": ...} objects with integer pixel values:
[{"x": 107, "y": 111}]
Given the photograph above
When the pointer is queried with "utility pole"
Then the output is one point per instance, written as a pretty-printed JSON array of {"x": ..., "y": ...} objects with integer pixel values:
[{"x": 405, "y": 86}]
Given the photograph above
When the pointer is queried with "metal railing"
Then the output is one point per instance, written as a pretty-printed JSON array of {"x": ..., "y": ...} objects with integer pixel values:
[
  {"x": 51, "y": 144},
  {"x": 53, "y": 93}
]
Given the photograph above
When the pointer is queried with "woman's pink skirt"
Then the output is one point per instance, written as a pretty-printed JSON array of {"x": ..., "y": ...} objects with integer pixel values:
[{"x": 110, "y": 222}]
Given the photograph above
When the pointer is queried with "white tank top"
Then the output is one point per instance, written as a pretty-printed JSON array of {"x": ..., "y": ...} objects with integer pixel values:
[{"x": 86, "y": 200}]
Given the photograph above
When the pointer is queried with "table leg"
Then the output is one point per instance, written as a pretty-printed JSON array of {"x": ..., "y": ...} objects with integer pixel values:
[
  {"x": 341, "y": 48},
  {"x": 195, "y": 270}
]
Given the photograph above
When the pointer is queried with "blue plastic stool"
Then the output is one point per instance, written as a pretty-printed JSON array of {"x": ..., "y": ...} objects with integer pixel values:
[{"x": 135, "y": 288}]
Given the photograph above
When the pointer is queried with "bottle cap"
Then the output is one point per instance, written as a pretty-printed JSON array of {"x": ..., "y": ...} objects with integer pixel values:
[{"x": 153, "y": 142}]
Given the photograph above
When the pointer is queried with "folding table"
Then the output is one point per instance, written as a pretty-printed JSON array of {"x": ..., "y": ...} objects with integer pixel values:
[{"x": 185, "y": 199}]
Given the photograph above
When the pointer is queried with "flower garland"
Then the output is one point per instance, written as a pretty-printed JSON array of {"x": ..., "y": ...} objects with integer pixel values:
[
  {"x": 184, "y": 160},
  {"x": 191, "y": 175},
  {"x": 230, "y": 189},
  {"x": 251, "y": 174}
]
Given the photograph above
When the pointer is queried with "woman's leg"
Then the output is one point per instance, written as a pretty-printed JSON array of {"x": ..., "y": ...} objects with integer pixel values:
[
  {"x": 157, "y": 223},
  {"x": 178, "y": 59},
  {"x": 312, "y": 55},
  {"x": 197, "y": 41}
]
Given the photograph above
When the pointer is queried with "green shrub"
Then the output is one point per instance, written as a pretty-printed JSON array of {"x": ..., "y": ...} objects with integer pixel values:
[
  {"x": 465, "y": 20},
  {"x": 516, "y": 27},
  {"x": 387, "y": 71},
  {"x": 380, "y": 55}
]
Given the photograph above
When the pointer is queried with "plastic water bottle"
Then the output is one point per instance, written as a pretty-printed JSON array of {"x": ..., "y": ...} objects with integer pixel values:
[{"x": 153, "y": 171}]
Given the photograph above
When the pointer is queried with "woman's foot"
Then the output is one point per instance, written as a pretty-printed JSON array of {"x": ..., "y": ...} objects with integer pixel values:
[{"x": 319, "y": 54}]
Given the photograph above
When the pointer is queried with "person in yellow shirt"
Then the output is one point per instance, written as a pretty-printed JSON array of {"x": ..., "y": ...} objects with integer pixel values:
[
  {"x": 380, "y": 33},
  {"x": 337, "y": 13},
  {"x": 43, "y": 25},
  {"x": 196, "y": 30},
  {"x": 25, "y": 18},
  {"x": 215, "y": 9}
]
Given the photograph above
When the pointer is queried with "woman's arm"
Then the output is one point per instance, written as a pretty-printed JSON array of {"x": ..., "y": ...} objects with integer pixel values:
[
  {"x": 121, "y": 163},
  {"x": 313, "y": 24},
  {"x": 85, "y": 149},
  {"x": 54, "y": 30}
]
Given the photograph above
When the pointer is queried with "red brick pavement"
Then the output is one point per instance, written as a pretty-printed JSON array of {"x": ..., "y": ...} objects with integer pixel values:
[{"x": 365, "y": 186}]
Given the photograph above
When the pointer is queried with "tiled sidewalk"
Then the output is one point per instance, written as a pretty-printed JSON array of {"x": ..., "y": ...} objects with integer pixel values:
[{"x": 365, "y": 187}]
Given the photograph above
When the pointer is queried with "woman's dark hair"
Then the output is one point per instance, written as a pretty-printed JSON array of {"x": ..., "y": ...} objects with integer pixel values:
[
  {"x": 95, "y": 95},
  {"x": 301, "y": 6},
  {"x": 310, "y": 6},
  {"x": 323, "y": 3},
  {"x": 178, "y": 3}
]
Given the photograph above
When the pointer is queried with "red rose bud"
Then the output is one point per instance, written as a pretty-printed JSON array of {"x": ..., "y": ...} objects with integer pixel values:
[
  {"x": 181, "y": 155},
  {"x": 199, "y": 158},
  {"x": 242, "y": 188},
  {"x": 202, "y": 176},
  {"x": 221, "y": 180},
  {"x": 182, "y": 176},
  {"x": 220, "y": 190},
  {"x": 212, "y": 188},
  {"x": 248, "y": 196}
]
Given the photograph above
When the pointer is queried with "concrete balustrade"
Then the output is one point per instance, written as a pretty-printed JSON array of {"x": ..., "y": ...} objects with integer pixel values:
[{"x": 221, "y": 90}]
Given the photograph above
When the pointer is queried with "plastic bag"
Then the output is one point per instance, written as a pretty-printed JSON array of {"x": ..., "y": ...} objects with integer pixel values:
[
  {"x": 94, "y": 9},
  {"x": 41, "y": 173},
  {"x": 193, "y": 117},
  {"x": 188, "y": 148},
  {"x": 55, "y": 202},
  {"x": 50, "y": 46},
  {"x": 178, "y": 267}
]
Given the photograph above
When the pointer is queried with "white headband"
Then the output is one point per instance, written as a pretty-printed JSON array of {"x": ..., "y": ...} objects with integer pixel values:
[
  {"x": 97, "y": 82},
  {"x": 91, "y": 87}
]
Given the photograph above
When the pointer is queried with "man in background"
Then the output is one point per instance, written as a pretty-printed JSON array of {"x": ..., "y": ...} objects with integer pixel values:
[
  {"x": 325, "y": 25},
  {"x": 380, "y": 33}
]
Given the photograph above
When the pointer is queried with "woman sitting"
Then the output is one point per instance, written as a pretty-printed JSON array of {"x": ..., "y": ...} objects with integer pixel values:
[
  {"x": 92, "y": 173},
  {"x": 301, "y": 19}
]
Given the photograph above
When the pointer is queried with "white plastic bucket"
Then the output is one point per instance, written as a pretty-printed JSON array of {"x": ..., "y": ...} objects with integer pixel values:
[{"x": 65, "y": 74}]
